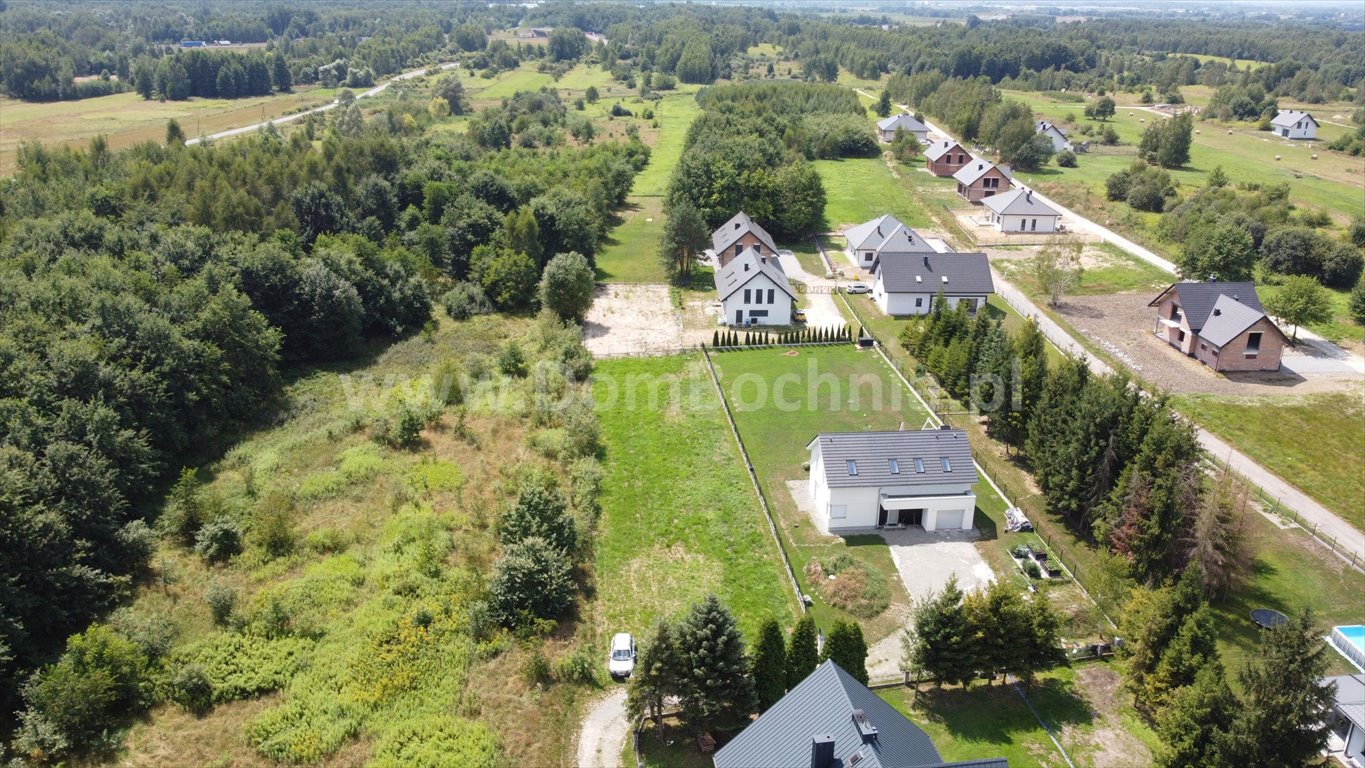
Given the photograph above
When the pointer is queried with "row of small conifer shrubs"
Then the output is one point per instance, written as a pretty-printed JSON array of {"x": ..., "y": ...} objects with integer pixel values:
[{"x": 824, "y": 335}]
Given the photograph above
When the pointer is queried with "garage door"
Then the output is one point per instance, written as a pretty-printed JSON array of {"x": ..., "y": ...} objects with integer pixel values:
[{"x": 948, "y": 520}]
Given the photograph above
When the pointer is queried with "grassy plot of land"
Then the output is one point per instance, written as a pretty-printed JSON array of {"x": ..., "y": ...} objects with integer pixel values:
[
  {"x": 679, "y": 516},
  {"x": 507, "y": 83},
  {"x": 629, "y": 253},
  {"x": 127, "y": 119},
  {"x": 859, "y": 189},
  {"x": 1108, "y": 269},
  {"x": 1272, "y": 430},
  {"x": 1333, "y": 182}
]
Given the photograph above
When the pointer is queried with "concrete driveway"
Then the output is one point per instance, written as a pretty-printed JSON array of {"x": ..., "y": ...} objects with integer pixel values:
[
  {"x": 821, "y": 311},
  {"x": 927, "y": 559}
]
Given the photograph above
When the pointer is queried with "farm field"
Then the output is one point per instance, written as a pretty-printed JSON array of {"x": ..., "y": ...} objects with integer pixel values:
[
  {"x": 357, "y": 629},
  {"x": 679, "y": 516},
  {"x": 127, "y": 119},
  {"x": 1271, "y": 430},
  {"x": 1334, "y": 182}
]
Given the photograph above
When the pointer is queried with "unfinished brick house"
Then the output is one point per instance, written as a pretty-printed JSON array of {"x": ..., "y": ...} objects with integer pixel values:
[{"x": 1222, "y": 325}]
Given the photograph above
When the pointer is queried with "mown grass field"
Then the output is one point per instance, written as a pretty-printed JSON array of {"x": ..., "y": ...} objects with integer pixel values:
[
  {"x": 362, "y": 630},
  {"x": 1272, "y": 431},
  {"x": 859, "y": 189},
  {"x": 126, "y": 119},
  {"x": 1333, "y": 182},
  {"x": 679, "y": 515},
  {"x": 1110, "y": 270}
]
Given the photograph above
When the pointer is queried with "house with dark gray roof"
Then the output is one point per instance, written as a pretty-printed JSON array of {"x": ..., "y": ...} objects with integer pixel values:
[
  {"x": 1294, "y": 124},
  {"x": 882, "y": 235},
  {"x": 1054, "y": 133},
  {"x": 1222, "y": 325},
  {"x": 1019, "y": 211},
  {"x": 830, "y": 720},
  {"x": 1346, "y": 721},
  {"x": 906, "y": 284},
  {"x": 887, "y": 127},
  {"x": 738, "y": 234},
  {"x": 866, "y": 480},
  {"x": 754, "y": 290}
]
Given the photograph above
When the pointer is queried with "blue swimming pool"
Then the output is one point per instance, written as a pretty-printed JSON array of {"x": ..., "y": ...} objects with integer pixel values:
[{"x": 1349, "y": 640}]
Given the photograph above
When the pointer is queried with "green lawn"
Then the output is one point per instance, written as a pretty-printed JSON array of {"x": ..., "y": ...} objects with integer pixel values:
[
  {"x": 1332, "y": 182},
  {"x": 630, "y": 251},
  {"x": 859, "y": 189},
  {"x": 1271, "y": 430},
  {"x": 1115, "y": 271},
  {"x": 674, "y": 113},
  {"x": 505, "y": 84},
  {"x": 679, "y": 516}
]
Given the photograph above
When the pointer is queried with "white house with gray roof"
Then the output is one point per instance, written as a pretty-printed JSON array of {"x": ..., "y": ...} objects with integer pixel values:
[
  {"x": 887, "y": 127},
  {"x": 906, "y": 284},
  {"x": 1346, "y": 721},
  {"x": 1294, "y": 124},
  {"x": 1054, "y": 134},
  {"x": 830, "y": 720},
  {"x": 884, "y": 234},
  {"x": 863, "y": 480},
  {"x": 753, "y": 290},
  {"x": 1018, "y": 211}
]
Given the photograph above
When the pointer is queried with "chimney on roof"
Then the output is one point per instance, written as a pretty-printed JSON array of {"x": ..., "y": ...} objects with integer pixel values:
[
  {"x": 866, "y": 729},
  {"x": 926, "y": 260},
  {"x": 1028, "y": 195},
  {"x": 821, "y": 750}
]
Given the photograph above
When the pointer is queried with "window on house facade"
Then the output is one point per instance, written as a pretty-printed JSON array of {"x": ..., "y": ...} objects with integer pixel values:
[
  {"x": 746, "y": 296},
  {"x": 1033, "y": 225},
  {"x": 771, "y": 292},
  {"x": 1253, "y": 344},
  {"x": 919, "y": 302}
]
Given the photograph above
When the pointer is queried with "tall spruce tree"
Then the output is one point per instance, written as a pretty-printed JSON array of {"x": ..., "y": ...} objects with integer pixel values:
[
  {"x": 1195, "y": 725},
  {"x": 944, "y": 644},
  {"x": 1284, "y": 700},
  {"x": 1189, "y": 651},
  {"x": 846, "y": 647},
  {"x": 1218, "y": 548},
  {"x": 803, "y": 652},
  {"x": 999, "y": 622},
  {"x": 1150, "y": 622},
  {"x": 655, "y": 677},
  {"x": 770, "y": 665},
  {"x": 1042, "y": 643},
  {"x": 716, "y": 688}
]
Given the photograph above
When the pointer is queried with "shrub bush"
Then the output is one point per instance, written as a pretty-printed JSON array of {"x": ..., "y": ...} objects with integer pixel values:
[
  {"x": 512, "y": 360},
  {"x": 99, "y": 681},
  {"x": 577, "y": 667},
  {"x": 1066, "y": 159},
  {"x": 219, "y": 540},
  {"x": 1031, "y": 568},
  {"x": 466, "y": 300},
  {"x": 221, "y": 600},
  {"x": 190, "y": 688},
  {"x": 273, "y": 531},
  {"x": 532, "y": 581}
]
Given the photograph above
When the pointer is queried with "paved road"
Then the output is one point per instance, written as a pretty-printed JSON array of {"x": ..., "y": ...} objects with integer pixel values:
[
  {"x": 375, "y": 91},
  {"x": 1317, "y": 518},
  {"x": 604, "y": 732}
]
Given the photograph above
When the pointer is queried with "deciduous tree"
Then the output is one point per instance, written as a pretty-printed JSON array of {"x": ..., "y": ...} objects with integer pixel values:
[{"x": 1301, "y": 300}]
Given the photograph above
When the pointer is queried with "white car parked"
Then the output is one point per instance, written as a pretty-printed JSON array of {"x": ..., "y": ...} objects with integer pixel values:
[
  {"x": 857, "y": 288},
  {"x": 621, "y": 662}
]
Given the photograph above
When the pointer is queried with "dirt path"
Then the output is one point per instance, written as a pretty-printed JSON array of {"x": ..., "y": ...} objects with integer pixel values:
[{"x": 604, "y": 732}]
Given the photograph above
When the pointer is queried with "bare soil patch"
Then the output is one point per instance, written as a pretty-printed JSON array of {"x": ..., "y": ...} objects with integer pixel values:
[
  {"x": 632, "y": 319},
  {"x": 1108, "y": 743}
]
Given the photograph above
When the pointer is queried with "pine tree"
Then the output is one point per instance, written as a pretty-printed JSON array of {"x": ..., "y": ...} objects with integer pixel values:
[
  {"x": 655, "y": 677},
  {"x": 717, "y": 690},
  {"x": 1219, "y": 545},
  {"x": 802, "y": 653},
  {"x": 944, "y": 644},
  {"x": 770, "y": 665},
  {"x": 1191, "y": 648},
  {"x": 1042, "y": 643},
  {"x": 1284, "y": 699},
  {"x": 846, "y": 647},
  {"x": 998, "y": 622},
  {"x": 1195, "y": 725}
]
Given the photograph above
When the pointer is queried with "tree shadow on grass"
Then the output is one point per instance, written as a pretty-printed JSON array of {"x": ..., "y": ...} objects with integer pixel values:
[
  {"x": 1238, "y": 628},
  {"x": 994, "y": 714}
]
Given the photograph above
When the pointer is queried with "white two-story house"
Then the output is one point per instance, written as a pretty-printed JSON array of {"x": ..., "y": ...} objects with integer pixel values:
[{"x": 753, "y": 290}]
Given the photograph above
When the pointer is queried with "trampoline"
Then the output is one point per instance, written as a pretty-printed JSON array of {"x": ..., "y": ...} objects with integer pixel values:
[{"x": 1266, "y": 618}]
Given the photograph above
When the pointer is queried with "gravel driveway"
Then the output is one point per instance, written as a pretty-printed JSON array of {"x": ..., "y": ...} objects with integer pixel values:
[
  {"x": 821, "y": 311},
  {"x": 604, "y": 732}
]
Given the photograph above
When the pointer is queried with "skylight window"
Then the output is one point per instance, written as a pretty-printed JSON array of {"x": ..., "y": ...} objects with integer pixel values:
[
  {"x": 852, "y": 468},
  {"x": 919, "y": 465},
  {"x": 895, "y": 466},
  {"x": 947, "y": 465}
]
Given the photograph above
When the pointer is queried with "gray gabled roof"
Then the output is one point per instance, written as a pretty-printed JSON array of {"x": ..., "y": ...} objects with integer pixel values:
[
  {"x": 902, "y": 121},
  {"x": 886, "y": 234},
  {"x": 976, "y": 168},
  {"x": 1197, "y": 299},
  {"x": 1044, "y": 126},
  {"x": 747, "y": 266},
  {"x": 1017, "y": 202},
  {"x": 1286, "y": 118},
  {"x": 823, "y": 704},
  {"x": 872, "y": 453},
  {"x": 1227, "y": 320},
  {"x": 953, "y": 274},
  {"x": 732, "y": 230},
  {"x": 1350, "y": 698},
  {"x": 942, "y": 147}
]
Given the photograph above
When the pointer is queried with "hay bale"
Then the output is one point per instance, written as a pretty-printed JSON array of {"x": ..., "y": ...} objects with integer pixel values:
[{"x": 1277, "y": 157}]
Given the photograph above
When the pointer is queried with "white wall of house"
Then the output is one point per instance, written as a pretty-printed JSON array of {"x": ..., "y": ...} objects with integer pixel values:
[
  {"x": 1023, "y": 223},
  {"x": 861, "y": 259},
  {"x": 1303, "y": 129},
  {"x": 1059, "y": 141},
  {"x": 851, "y": 509},
  {"x": 759, "y": 302},
  {"x": 901, "y": 304},
  {"x": 890, "y": 135}
]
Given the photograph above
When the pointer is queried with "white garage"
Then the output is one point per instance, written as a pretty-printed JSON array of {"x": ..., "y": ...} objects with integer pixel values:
[{"x": 868, "y": 480}]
